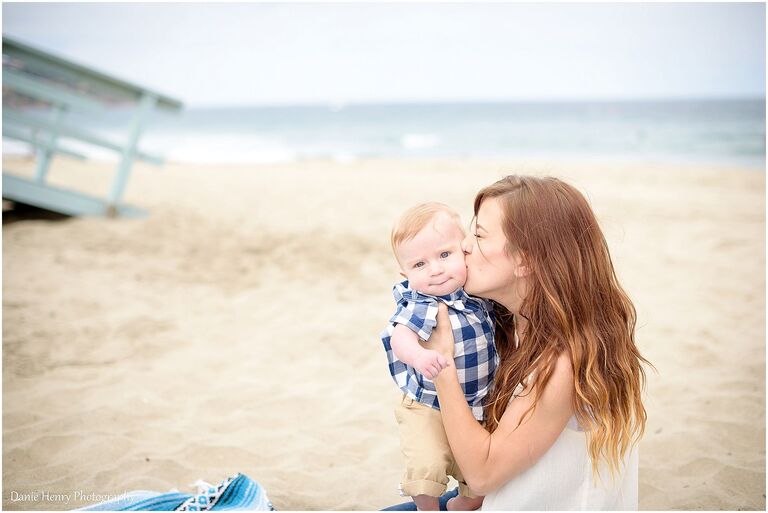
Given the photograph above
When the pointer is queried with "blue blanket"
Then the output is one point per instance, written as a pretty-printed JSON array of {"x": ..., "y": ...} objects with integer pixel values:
[{"x": 238, "y": 492}]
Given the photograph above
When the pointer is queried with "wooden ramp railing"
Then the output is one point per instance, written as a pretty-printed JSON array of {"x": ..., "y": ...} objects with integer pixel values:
[{"x": 41, "y": 92}]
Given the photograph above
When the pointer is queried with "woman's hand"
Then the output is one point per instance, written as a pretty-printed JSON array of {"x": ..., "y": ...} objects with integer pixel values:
[{"x": 442, "y": 339}]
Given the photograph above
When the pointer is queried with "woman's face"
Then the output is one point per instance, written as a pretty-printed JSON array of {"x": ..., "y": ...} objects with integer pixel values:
[{"x": 492, "y": 272}]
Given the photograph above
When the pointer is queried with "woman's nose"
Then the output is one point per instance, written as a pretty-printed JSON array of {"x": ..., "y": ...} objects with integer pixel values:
[{"x": 466, "y": 244}]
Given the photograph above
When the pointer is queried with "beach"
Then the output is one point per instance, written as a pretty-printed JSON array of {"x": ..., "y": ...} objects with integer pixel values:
[{"x": 236, "y": 328}]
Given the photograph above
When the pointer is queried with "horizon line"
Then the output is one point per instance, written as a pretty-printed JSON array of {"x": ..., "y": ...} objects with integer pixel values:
[{"x": 340, "y": 104}]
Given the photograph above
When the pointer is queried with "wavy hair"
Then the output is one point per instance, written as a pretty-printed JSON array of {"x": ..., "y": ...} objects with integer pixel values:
[{"x": 575, "y": 305}]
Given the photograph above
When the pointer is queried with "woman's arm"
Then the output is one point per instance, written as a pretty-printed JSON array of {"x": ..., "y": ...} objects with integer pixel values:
[{"x": 490, "y": 460}]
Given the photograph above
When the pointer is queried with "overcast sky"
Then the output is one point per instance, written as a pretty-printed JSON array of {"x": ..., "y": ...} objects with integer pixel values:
[{"x": 219, "y": 54}]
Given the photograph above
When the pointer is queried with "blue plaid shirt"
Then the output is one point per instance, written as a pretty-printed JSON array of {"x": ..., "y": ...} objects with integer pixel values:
[{"x": 475, "y": 355}]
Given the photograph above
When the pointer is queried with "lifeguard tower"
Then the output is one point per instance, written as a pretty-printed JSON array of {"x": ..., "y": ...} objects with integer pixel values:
[{"x": 42, "y": 97}]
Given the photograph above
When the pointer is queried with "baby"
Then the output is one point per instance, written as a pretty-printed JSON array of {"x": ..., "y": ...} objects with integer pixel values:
[{"x": 427, "y": 244}]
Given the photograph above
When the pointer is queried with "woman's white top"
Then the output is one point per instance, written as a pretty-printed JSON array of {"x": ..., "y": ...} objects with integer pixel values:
[{"x": 562, "y": 480}]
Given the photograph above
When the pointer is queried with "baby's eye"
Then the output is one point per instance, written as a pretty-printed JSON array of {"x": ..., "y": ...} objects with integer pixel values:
[
  {"x": 418, "y": 264},
  {"x": 445, "y": 254}
]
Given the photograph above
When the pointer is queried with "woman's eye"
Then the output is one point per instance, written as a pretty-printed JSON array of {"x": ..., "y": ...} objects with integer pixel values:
[
  {"x": 445, "y": 254},
  {"x": 477, "y": 236}
]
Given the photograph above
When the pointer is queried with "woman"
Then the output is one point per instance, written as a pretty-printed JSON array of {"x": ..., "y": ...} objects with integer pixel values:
[{"x": 565, "y": 412}]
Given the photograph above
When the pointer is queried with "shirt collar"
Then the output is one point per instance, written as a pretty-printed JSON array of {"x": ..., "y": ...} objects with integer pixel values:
[{"x": 449, "y": 299}]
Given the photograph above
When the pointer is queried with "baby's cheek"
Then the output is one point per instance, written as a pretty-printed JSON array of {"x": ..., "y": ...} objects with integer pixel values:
[{"x": 461, "y": 270}]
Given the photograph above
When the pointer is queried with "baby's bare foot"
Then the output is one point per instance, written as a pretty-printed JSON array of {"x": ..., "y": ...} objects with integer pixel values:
[
  {"x": 426, "y": 503},
  {"x": 460, "y": 503}
]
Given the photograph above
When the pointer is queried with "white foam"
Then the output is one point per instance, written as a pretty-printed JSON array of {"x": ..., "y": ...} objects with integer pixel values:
[
  {"x": 419, "y": 141},
  {"x": 221, "y": 149}
]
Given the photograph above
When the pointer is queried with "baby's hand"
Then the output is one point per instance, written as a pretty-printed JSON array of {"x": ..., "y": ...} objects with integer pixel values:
[{"x": 429, "y": 363}]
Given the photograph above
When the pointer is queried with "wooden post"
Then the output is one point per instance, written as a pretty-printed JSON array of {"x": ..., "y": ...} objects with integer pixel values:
[
  {"x": 45, "y": 154},
  {"x": 146, "y": 104}
]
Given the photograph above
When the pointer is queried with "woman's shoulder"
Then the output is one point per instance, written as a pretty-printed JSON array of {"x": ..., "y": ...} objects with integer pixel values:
[
  {"x": 561, "y": 378},
  {"x": 557, "y": 393},
  {"x": 562, "y": 371},
  {"x": 564, "y": 367},
  {"x": 560, "y": 384}
]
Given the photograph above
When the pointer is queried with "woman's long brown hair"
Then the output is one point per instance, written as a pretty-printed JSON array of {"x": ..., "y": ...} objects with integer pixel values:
[{"x": 575, "y": 305}]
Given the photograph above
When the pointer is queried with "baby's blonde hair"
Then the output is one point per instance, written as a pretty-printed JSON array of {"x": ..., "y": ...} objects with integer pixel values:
[{"x": 416, "y": 218}]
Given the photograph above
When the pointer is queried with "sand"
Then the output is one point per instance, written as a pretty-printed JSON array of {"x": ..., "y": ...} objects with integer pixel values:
[{"x": 236, "y": 328}]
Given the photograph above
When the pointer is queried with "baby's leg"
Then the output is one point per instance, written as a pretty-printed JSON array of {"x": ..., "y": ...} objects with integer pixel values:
[
  {"x": 461, "y": 503},
  {"x": 426, "y": 450},
  {"x": 427, "y": 503}
]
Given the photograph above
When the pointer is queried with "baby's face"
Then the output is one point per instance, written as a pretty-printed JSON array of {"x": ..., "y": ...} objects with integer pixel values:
[{"x": 433, "y": 260}]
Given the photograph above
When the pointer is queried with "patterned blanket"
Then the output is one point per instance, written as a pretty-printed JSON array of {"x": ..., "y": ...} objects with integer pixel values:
[{"x": 238, "y": 492}]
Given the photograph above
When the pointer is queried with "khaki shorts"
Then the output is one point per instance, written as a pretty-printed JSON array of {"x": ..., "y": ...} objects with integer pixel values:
[{"x": 428, "y": 457}]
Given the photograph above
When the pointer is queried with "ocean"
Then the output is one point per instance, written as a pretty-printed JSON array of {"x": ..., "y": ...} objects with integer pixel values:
[{"x": 718, "y": 132}]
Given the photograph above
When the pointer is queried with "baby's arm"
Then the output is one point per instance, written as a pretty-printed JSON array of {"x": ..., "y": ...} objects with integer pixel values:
[{"x": 405, "y": 345}]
